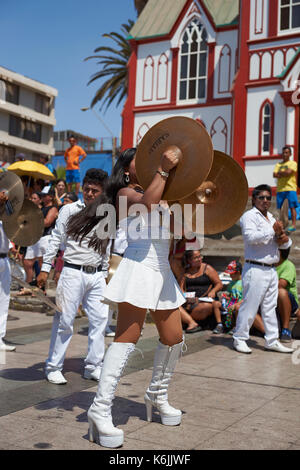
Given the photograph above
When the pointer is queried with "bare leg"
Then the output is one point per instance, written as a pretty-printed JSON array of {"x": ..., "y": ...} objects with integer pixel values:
[
  {"x": 187, "y": 319},
  {"x": 69, "y": 185},
  {"x": 202, "y": 311},
  {"x": 259, "y": 324},
  {"x": 168, "y": 324},
  {"x": 28, "y": 266},
  {"x": 294, "y": 216},
  {"x": 129, "y": 323},
  {"x": 216, "y": 305},
  {"x": 77, "y": 188},
  {"x": 285, "y": 307}
]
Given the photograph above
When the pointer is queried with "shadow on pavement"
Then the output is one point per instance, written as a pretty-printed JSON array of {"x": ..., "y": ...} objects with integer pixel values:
[{"x": 36, "y": 371}]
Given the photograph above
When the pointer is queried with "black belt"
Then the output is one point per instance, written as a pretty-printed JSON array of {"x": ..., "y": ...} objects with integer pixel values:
[
  {"x": 260, "y": 264},
  {"x": 3, "y": 255},
  {"x": 86, "y": 269}
]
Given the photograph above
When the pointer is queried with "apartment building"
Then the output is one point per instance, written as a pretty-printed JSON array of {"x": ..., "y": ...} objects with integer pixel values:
[{"x": 26, "y": 117}]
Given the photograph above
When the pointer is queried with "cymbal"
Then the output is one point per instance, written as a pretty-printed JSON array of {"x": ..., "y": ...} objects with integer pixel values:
[
  {"x": 26, "y": 227},
  {"x": 12, "y": 185},
  {"x": 194, "y": 146},
  {"x": 114, "y": 262},
  {"x": 224, "y": 195}
]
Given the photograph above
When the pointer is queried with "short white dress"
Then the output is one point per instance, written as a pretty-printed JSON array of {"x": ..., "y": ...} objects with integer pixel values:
[{"x": 144, "y": 277}]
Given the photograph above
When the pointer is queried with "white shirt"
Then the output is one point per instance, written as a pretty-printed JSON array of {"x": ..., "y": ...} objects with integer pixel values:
[
  {"x": 4, "y": 241},
  {"x": 259, "y": 237},
  {"x": 75, "y": 252}
]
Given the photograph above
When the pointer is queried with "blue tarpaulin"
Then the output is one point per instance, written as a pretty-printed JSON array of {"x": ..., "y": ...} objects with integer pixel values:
[{"x": 93, "y": 160}]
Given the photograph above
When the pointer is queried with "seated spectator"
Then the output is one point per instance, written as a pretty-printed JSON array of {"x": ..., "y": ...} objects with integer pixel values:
[
  {"x": 201, "y": 284},
  {"x": 231, "y": 299},
  {"x": 288, "y": 302}
]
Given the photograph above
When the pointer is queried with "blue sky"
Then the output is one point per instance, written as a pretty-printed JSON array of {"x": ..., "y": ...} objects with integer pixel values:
[{"x": 47, "y": 40}]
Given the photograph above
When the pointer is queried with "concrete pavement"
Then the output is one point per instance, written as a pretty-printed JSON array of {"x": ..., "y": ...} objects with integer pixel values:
[{"x": 229, "y": 400}]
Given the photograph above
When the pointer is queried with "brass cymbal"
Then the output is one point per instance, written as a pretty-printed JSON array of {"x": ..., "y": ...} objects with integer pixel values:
[
  {"x": 26, "y": 227},
  {"x": 194, "y": 146},
  {"x": 12, "y": 185},
  {"x": 114, "y": 262},
  {"x": 224, "y": 195}
]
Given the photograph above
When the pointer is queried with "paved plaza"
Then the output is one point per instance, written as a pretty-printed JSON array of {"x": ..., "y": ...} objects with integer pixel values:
[{"x": 229, "y": 400}]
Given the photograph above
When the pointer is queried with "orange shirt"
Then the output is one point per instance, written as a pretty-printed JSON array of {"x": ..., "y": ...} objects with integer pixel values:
[{"x": 72, "y": 155}]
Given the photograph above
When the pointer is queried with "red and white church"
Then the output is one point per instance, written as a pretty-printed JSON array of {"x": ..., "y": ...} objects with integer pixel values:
[{"x": 232, "y": 65}]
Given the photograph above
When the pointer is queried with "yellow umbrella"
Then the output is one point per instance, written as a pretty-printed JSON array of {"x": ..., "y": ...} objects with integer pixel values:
[{"x": 31, "y": 168}]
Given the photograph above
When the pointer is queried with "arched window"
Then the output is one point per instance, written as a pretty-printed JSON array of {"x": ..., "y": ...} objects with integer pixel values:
[
  {"x": 193, "y": 62},
  {"x": 162, "y": 77},
  {"x": 148, "y": 79},
  {"x": 219, "y": 134},
  {"x": 224, "y": 69},
  {"x": 143, "y": 129},
  {"x": 266, "y": 128}
]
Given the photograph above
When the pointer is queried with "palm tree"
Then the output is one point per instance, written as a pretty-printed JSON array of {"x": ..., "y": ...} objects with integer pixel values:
[
  {"x": 113, "y": 66},
  {"x": 139, "y": 5}
]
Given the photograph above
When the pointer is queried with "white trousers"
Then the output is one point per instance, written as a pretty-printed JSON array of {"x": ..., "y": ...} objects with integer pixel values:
[
  {"x": 74, "y": 288},
  {"x": 5, "y": 280},
  {"x": 260, "y": 289}
]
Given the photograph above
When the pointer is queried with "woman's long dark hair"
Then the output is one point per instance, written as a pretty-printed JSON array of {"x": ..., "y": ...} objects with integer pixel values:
[{"x": 82, "y": 223}]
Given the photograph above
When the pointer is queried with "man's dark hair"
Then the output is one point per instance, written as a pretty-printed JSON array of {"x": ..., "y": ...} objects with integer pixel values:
[
  {"x": 284, "y": 253},
  {"x": 95, "y": 176},
  {"x": 72, "y": 137},
  {"x": 72, "y": 196},
  {"x": 260, "y": 189},
  {"x": 44, "y": 157},
  {"x": 287, "y": 147}
]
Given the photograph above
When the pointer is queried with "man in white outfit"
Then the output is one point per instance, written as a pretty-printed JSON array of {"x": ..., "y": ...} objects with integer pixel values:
[
  {"x": 5, "y": 280},
  {"x": 262, "y": 236},
  {"x": 82, "y": 281}
]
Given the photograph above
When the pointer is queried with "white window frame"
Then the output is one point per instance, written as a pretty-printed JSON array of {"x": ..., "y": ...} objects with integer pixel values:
[
  {"x": 188, "y": 54},
  {"x": 289, "y": 30},
  {"x": 263, "y": 132}
]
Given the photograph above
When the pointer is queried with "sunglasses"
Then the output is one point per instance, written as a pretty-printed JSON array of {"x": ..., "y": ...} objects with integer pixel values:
[{"x": 261, "y": 198}]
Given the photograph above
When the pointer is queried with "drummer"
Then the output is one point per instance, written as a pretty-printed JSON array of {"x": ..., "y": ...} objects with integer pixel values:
[{"x": 5, "y": 280}]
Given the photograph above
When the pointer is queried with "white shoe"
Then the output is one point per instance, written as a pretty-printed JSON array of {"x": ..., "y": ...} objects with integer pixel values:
[
  {"x": 109, "y": 333},
  {"x": 92, "y": 374},
  {"x": 278, "y": 347},
  {"x": 56, "y": 377},
  {"x": 241, "y": 346},
  {"x": 6, "y": 347}
]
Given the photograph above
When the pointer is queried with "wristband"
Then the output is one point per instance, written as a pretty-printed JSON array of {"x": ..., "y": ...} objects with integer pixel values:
[{"x": 163, "y": 173}]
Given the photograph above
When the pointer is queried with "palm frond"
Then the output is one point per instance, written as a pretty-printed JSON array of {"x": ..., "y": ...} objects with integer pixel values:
[{"x": 113, "y": 68}]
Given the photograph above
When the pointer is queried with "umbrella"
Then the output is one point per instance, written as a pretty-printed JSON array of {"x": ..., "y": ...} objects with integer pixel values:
[{"x": 31, "y": 168}]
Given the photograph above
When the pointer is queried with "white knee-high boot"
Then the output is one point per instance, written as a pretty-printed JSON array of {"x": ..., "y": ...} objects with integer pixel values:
[
  {"x": 157, "y": 393},
  {"x": 99, "y": 414}
]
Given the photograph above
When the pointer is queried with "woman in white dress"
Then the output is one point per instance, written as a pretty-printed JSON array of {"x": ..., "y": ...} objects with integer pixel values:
[{"x": 143, "y": 280}]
